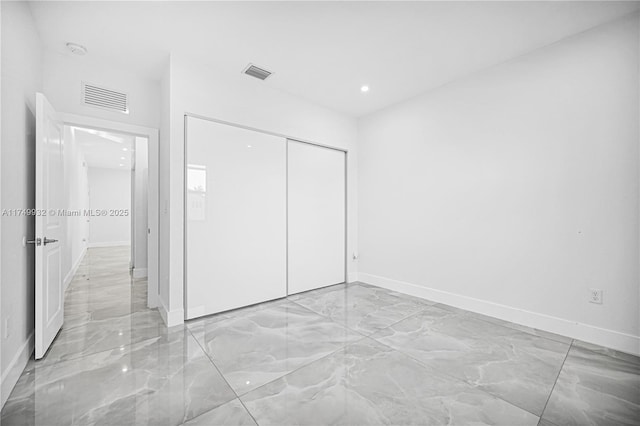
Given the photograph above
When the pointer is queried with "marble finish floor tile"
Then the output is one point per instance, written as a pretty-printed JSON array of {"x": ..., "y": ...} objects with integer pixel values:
[
  {"x": 305, "y": 359},
  {"x": 267, "y": 343},
  {"x": 98, "y": 336},
  {"x": 104, "y": 308},
  {"x": 103, "y": 290},
  {"x": 362, "y": 308},
  {"x": 632, "y": 359},
  {"x": 101, "y": 312},
  {"x": 519, "y": 327},
  {"x": 518, "y": 367},
  {"x": 105, "y": 305},
  {"x": 198, "y": 326},
  {"x": 232, "y": 413},
  {"x": 163, "y": 381},
  {"x": 595, "y": 388},
  {"x": 368, "y": 383}
]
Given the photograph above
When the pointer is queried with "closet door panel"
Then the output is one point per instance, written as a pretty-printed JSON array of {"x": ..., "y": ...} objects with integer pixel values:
[
  {"x": 236, "y": 217},
  {"x": 316, "y": 216}
]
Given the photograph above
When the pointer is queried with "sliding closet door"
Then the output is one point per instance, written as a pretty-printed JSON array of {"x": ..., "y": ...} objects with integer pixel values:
[
  {"x": 316, "y": 213},
  {"x": 236, "y": 217}
]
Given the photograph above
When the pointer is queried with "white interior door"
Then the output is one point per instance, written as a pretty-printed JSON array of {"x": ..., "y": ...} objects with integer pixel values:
[
  {"x": 316, "y": 216},
  {"x": 49, "y": 231},
  {"x": 236, "y": 217}
]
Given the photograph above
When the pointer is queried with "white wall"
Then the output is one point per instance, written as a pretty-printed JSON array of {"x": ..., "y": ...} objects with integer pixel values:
[
  {"x": 109, "y": 189},
  {"x": 140, "y": 213},
  {"x": 63, "y": 77},
  {"x": 239, "y": 99},
  {"x": 21, "y": 77},
  {"x": 513, "y": 191},
  {"x": 76, "y": 200}
]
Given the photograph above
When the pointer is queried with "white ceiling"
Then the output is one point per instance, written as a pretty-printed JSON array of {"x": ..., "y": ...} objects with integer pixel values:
[
  {"x": 104, "y": 149},
  {"x": 323, "y": 51}
]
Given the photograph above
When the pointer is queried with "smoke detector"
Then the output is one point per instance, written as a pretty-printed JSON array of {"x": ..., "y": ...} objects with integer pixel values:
[
  {"x": 77, "y": 49},
  {"x": 257, "y": 72}
]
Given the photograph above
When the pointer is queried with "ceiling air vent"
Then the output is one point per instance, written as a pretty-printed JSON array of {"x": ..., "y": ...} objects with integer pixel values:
[
  {"x": 104, "y": 98},
  {"x": 257, "y": 72}
]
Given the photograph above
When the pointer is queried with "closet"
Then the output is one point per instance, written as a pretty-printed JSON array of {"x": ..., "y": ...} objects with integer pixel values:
[
  {"x": 316, "y": 216},
  {"x": 264, "y": 217}
]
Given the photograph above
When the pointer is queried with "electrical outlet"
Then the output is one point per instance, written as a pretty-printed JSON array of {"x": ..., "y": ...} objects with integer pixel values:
[{"x": 595, "y": 295}]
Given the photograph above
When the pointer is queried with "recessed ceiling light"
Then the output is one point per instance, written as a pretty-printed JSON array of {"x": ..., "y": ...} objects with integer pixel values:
[
  {"x": 78, "y": 49},
  {"x": 122, "y": 158},
  {"x": 121, "y": 165},
  {"x": 125, "y": 149},
  {"x": 364, "y": 89}
]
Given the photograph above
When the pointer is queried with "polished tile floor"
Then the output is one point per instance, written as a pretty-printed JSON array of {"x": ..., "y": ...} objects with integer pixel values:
[{"x": 353, "y": 354}]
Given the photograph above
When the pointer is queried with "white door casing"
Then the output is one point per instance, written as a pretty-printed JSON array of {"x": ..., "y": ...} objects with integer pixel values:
[
  {"x": 153, "y": 221},
  {"x": 49, "y": 309}
]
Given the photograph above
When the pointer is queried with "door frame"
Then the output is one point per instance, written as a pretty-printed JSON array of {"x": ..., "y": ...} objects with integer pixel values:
[
  {"x": 136, "y": 271},
  {"x": 286, "y": 138},
  {"x": 152, "y": 136}
]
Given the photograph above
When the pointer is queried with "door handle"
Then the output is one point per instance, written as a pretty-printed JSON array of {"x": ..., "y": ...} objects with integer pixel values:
[
  {"x": 49, "y": 241},
  {"x": 37, "y": 241}
]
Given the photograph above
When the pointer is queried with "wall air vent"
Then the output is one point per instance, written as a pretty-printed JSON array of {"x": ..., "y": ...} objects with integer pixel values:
[
  {"x": 257, "y": 72},
  {"x": 104, "y": 98}
]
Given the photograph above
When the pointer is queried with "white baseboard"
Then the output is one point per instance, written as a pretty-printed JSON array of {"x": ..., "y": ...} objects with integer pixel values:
[
  {"x": 110, "y": 244},
  {"x": 11, "y": 375},
  {"x": 74, "y": 269},
  {"x": 576, "y": 330},
  {"x": 170, "y": 318},
  {"x": 139, "y": 272},
  {"x": 352, "y": 277}
]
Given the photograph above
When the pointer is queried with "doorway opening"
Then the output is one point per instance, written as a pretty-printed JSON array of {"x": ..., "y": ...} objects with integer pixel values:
[
  {"x": 106, "y": 197},
  {"x": 134, "y": 148}
]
